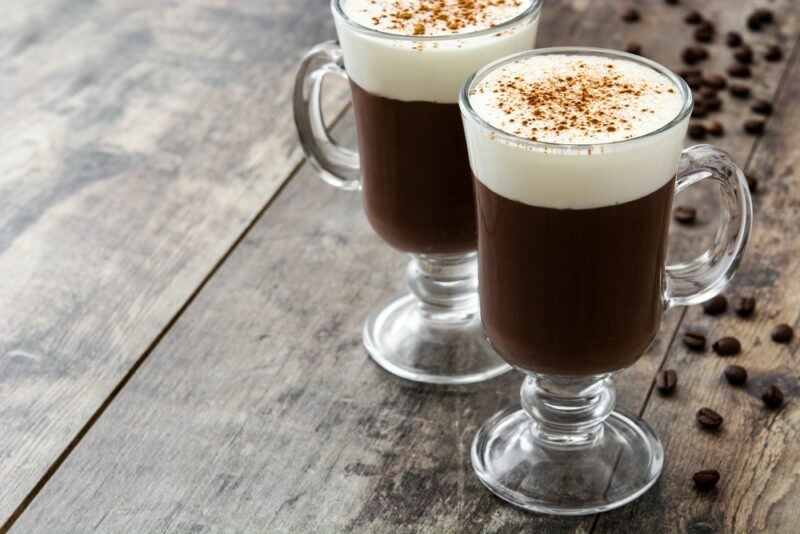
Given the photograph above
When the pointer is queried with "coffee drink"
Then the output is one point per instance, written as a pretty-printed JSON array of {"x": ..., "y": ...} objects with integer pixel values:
[
  {"x": 573, "y": 235},
  {"x": 417, "y": 189}
]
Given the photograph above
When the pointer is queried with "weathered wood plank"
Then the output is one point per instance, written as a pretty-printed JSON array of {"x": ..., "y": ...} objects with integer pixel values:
[
  {"x": 260, "y": 410},
  {"x": 139, "y": 140}
]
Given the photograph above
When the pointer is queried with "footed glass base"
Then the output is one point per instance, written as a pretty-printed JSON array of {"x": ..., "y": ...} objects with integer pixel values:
[
  {"x": 622, "y": 461},
  {"x": 402, "y": 340}
]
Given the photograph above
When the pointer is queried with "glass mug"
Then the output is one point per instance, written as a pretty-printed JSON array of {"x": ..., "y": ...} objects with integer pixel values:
[
  {"x": 570, "y": 296},
  {"x": 413, "y": 172}
]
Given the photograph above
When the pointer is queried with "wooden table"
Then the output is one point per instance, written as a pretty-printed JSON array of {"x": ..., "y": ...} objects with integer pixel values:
[{"x": 182, "y": 299}]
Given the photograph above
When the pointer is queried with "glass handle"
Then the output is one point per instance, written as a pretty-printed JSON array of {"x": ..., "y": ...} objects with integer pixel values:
[
  {"x": 705, "y": 276},
  {"x": 335, "y": 164}
]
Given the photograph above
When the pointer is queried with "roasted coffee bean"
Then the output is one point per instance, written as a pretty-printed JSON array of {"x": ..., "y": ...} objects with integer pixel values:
[
  {"x": 685, "y": 214},
  {"x": 694, "y": 81},
  {"x": 757, "y": 19},
  {"x": 762, "y": 107},
  {"x": 685, "y": 73},
  {"x": 715, "y": 128},
  {"x": 666, "y": 381},
  {"x": 694, "y": 340},
  {"x": 743, "y": 54},
  {"x": 631, "y": 14},
  {"x": 700, "y": 109},
  {"x": 782, "y": 333},
  {"x": 754, "y": 126},
  {"x": 712, "y": 103},
  {"x": 752, "y": 183},
  {"x": 633, "y": 48},
  {"x": 715, "y": 305},
  {"x": 773, "y": 397},
  {"x": 693, "y": 17},
  {"x": 764, "y": 16},
  {"x": 733, "y": 39},
  {"x": 739, "y": 91},
  {"x": 672, "y": 2},
  {"x": 773, "y": 53},
  {"x": 706, "y": 479},
  {"x": 715, "y": 81},
  {"x": 727, "y": 346},
  {"x": 697, "y": 131},
  {"x": 694, "y": 54},
  {"x": 704, "y": 33},
  {"x": 708, "y": 92},
  {"x": 739, "y": 70},
  {"x": 708, "y": 418},
  {"x": 745, "y": 306},
  {"x": 736, "y": 375}
]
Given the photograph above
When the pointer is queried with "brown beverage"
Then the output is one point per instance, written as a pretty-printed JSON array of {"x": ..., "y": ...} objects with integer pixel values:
[{"x": 573, "y": 233}]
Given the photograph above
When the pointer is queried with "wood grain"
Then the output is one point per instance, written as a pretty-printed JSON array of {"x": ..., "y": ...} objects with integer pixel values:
[
  {"x": 139, "y": 140},
  {"x": 259, "y": 409}
]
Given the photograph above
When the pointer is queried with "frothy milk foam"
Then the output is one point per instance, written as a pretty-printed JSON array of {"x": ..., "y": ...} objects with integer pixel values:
[
  {"x": 583, "y": 101},
  {"x": 414, "y": 67}
]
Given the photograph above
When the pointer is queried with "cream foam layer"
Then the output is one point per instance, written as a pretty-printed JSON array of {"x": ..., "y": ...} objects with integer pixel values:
[
  {"x": 576, "y": 177},
  {"x": 412, "y": 69}
]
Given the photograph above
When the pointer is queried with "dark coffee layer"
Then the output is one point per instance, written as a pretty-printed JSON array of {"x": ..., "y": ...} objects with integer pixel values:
[
  {"x": 417, "y": 185},
  {"x": 572, "y": 292}
]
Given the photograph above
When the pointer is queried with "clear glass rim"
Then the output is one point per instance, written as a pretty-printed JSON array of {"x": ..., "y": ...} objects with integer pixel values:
[
  {"x": 477, "y": 77},
  {"x": 531, "y": 12}
]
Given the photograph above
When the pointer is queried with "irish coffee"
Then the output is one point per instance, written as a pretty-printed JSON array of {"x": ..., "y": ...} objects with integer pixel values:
[{"x": 572, "y": 237}]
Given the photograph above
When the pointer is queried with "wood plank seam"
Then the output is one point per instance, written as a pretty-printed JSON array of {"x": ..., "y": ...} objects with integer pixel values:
[{"x": 75, "y": 441}]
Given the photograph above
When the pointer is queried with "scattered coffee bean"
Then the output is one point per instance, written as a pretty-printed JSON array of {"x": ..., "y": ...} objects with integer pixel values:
[
  {"x": 754, "y": 126},
  {"x": 685, "y": 73},
  {"x": 715, "y": 305},
  {"x": 666, "y": 381},
  {"x": 705, "y": 32},
  {"x": 694, "y": 54},
  {"x": 694, "y": 81},
  {"x": 706, "y": 479},
  {"x": 762, "y": 107},
  {"x": 633, "y": 48},
  {"x": 694, "y": 340},
  {"x": 685, "y": 214},
  {"x": 699, "y": 110},
  {"x": 752, "y": 183},
  {"x": 693, "y": 17},
  {"x": 773, "y": 397},
  {"x": 672, "y": 2},
  {"x": 782, "y": 333},
  {"x": 708, "y": 418},
  {"x": 743, "y": 54},
  {"x": 715, "y": 81},
  {"x": 739, "y": 91},
  {"x": 631, "y": 14},
  {"x": 712, "y": 103},
  {"x": 765, "y": 16},
  {"x": 727, "y": 346},
  {"x": 697, "y": 131},
  {"x": 745, "y": 306},
  {"x": 736, "y": 375},
  {"x": 715, "y": 128},
  {"x": 733, "y": 39},
  {"x": 707, "y": 91},
  {"x": 739, "y": 70},
  {"x": 773, "y": 53}
]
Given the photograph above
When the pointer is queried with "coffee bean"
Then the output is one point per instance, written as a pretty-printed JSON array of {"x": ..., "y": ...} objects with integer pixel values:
[
  {"x": 694, "y": 81},
  {"x": 697, "y": 131},
  {"x": 672, "y": 2},
  {"x": 685, "y": 73},
  {"x": 743, "y": 54},
  {"x": 666, "y": 381},
  {"x": 633, "y": 48},
  {"x": 705, "y": 32},
  {"x": 708, "y": 92},
  {"x": 715, "y": 81},
  {"x": 745, "y": 306},
  {"x": 727, "y": 346},
  {"x": 712, "y": 103},
  {"x": 733, "y": 39},
  {"x": 693, "y": 17},
  {"x": 739, "y": 70},
  {"x": 752, "y": 183},
  {"x": 699, "y": 110},
  {"x": 736, "y": 375},
  {"x": 757, "y": 19},
  {"x": 754, "y": 126},
  {"x": 715, "y": 128},
  {"x": 773, "y": 397},
  {"x": 764, "y": 16},
  {"x": 630, "y": 14},
  {"x": 773, "y": 53},
  {"x": 715, "y": 305},
  {"x": 782, "y": 333},
  {"x": 739, "y": 91},
  {"x": 706, "y": 479},
  {"x": 762, "y": 107},
  {"x": 694, "y": 340},
  {"x": 694, "y": 54},
  {"x": 708, "y": 418},
  {"x": 685, "y": 214}
]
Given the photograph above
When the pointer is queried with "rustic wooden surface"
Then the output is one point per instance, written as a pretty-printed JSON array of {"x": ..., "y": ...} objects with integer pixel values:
[{"x": 153, "y": 381}]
